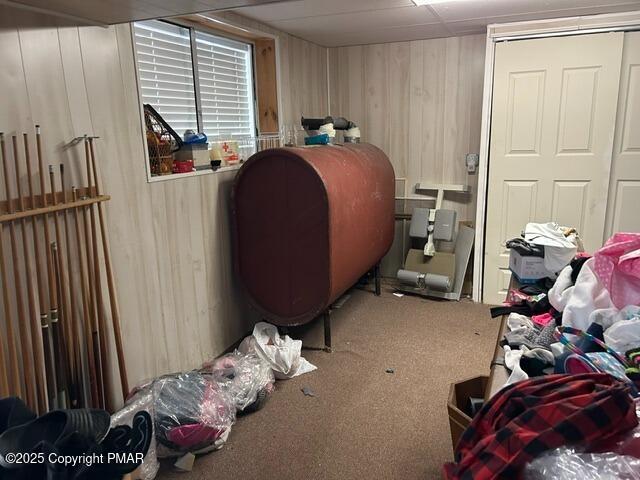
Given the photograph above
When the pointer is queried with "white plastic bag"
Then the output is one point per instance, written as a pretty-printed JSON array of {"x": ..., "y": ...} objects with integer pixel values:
[
  {"x": 559, "y": 250},
  {"x": 283, "y": 353},
  {"x": 624, "y": 334}
]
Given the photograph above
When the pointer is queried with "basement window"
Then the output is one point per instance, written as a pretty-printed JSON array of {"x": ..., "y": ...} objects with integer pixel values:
[{"x": 197, "y": 81}]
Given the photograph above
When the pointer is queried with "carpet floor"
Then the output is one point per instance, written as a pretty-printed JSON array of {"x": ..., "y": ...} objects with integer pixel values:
[{"x": 363, "y": 423}]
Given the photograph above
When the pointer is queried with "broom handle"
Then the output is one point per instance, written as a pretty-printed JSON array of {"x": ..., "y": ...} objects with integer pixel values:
[{"x": 115, "y": 316}]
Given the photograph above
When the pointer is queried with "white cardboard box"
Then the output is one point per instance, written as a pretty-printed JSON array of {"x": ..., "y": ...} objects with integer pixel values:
[{"x": 528, "y": 269}]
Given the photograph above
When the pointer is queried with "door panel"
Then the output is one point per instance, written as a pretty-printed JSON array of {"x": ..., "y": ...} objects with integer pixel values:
[
  {"x": 552, "y": 129},
  {"x": 622, "y": 214}
]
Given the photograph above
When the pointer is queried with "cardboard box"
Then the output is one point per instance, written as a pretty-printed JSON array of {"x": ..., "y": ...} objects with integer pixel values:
[
  {"x": 528, "y": 269},
  {"x": 459, "y": 394}
]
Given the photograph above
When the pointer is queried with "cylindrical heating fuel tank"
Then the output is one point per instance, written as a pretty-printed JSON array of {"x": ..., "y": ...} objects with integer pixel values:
[{"x": 308, "y": 223}]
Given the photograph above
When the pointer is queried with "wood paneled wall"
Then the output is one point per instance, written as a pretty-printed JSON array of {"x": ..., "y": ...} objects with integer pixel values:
[
  {"x": 170, "y": 241},
  {"x": 420, "y": 102}
]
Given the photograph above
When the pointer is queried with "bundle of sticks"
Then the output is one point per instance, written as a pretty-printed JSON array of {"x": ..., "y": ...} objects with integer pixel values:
[{"x": 56, "y": 353}]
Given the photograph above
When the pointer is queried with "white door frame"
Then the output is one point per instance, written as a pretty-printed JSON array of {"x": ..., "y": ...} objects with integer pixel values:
[{"x": 519, "y": 31}]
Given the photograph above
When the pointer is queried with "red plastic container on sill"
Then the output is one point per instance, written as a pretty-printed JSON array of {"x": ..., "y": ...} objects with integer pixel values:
[{"x": 183, "y": 166}]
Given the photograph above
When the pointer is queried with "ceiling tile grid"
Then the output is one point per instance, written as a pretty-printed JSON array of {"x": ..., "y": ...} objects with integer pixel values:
[{"x": 334, "y": 23}]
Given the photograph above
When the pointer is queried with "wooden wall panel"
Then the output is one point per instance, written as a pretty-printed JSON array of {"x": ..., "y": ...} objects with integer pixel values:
[
  {"x": 171, "y": 245},
  {"x": 266, "y": 85},
  {"x": 421, "y": 103}
]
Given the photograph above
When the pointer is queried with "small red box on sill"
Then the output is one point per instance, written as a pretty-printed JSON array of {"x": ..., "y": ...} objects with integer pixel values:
[{"x": 183, "y": 166}]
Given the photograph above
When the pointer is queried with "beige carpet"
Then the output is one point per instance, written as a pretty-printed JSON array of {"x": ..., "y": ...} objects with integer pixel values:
[{"x": 363, "y": 423}]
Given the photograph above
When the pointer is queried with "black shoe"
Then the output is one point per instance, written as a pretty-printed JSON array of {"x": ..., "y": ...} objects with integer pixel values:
[
  {"x": 130, "y": 444},
  {"x": 52, "y": 428},
  {"x": 13, "y": 412}
]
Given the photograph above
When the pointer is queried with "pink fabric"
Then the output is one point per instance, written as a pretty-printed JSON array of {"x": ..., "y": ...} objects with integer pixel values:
[
  {"x": 189, "y": 436},
  {"x": 543, "y": 319},
  {"x": 617, "y": 265}
]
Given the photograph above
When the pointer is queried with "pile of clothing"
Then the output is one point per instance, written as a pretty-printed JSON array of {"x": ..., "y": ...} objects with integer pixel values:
[
  {"x": 586, "y": 320},
  {"x": 571, "y": 403}
]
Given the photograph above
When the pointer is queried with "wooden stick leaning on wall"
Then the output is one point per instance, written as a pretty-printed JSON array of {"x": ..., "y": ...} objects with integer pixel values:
[
  {"x": 72, "y": 320},
  {"x": 49, "y": 359},
  {"x": 58, "y": 337},
  {"x": 97, "y": 287},
  {"x": 66, "y": 315},
  {"x": 4, "y": 364},
  {"x": 115, "y": 315},
  {"x": 86, "y": 309},
  {"x": 34, "y": 322},
  {"x": 61, "y": 381},
  {"x": 27, "y": 364},
  {"x": 10, "y": 374}
]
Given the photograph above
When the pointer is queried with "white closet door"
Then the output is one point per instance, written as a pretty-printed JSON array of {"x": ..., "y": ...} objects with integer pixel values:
[
  {"x": 552, "y": 129},
  {"x": 624, "y": 189}
]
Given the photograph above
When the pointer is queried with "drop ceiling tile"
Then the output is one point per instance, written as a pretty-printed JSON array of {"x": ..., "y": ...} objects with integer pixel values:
[
  {"x": 477, "y": 25},
  {"x": 470, "y": 9},
  {"x": 178, "y": 7},
  {"x": 384, "y": 35},
  {"x": 92, "y": 10},
  {"x": 356, "y": 22},
  {"x": 311, "y": 8}
]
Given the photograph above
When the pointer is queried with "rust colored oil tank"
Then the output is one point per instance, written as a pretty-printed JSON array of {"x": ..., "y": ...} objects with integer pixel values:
[{"x": 309, "y": 222}]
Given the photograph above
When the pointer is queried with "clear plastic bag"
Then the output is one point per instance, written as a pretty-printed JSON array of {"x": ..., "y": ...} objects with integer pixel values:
[
  {"x": 567, "y": 464},
  {"x": 141, "y": 401},
  {"x": 621, "y": 463},
  {"x": 245, "y": 377},
  {"x": 283, "y": 353},
  {"x": 193, "y": 414}
]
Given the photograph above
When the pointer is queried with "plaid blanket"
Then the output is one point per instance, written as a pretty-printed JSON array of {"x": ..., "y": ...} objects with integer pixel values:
[{"x": 527, "y": 418}]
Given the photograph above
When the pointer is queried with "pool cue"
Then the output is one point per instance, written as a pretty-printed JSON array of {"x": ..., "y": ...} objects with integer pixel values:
[
  {"x": 59, "y": 340},
  {"x": 11, "y": 377},
  {"x": 35, "y": 330},
  {"x": 58, "y": 392},
  {"x": 115, "y": 315},
  {"x": 101, "y": 331},
  {"x": 27, "y": 367},
  {"x": 72, "y": 317},
  {"x": 4, "y": 379},
  {"x": 49, "y": 360},
  {"x": 86, "y": 308},
  {"x": 66, "y": 315}
]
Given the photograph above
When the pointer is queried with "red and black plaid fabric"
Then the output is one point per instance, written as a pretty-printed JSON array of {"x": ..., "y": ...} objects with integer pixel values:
[{"x": 527, "y": 418}]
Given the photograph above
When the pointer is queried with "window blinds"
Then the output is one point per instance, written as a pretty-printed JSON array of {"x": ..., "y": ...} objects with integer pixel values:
[
  {"x": 165, "y": 71},
  {"x": 219, "y": 85},
  {"x": 226, "y": 92}
]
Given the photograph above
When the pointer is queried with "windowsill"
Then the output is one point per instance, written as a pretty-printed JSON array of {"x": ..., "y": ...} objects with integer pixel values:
[{"x": 197, "y": 173}]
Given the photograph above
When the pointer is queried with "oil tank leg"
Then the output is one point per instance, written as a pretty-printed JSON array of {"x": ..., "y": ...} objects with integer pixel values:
[
  {"x": 376, "y": 273},
  {"x": 327, "y": 330}
]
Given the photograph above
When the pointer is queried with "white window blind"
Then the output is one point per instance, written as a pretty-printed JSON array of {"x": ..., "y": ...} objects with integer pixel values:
[
  {"x": 215, "y": 80},
  {"x": 165, "y": 70},
  {"x": 226, "y": 90}
]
